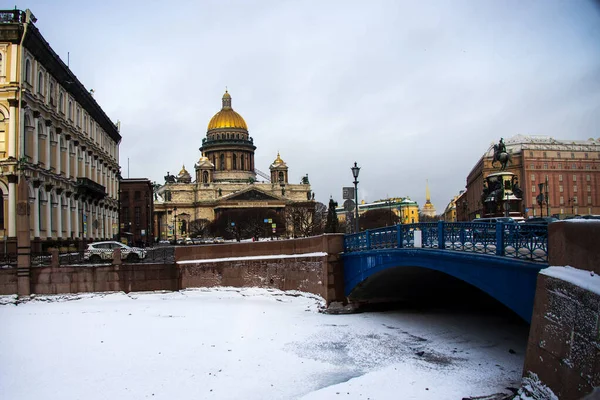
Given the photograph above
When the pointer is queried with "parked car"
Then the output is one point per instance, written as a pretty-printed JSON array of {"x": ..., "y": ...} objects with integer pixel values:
[
  {"x": 219, "y": 240},
  {"x": 541, "y": 220},
  {"x": 103, "y": 251}
]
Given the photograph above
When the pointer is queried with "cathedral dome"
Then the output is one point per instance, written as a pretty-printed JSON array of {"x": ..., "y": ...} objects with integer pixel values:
[{"x": 227, "y": 118}]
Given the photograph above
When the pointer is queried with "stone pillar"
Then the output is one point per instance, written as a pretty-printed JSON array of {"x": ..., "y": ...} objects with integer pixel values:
[
  {"x": 59, "y": 232},
  {"x": 49, "y": 215},
  {"x": 12, "y": 205},
  {"x": 76, "y": 159},
  {"x": 12, "y": 128},
  {"x": 36, "y": 211},
  {"x": 68, "y": 157},
  {"x": 68, "y": 211},
  {"x": 76, "y": 219},
  {"x": 58, "y": 163},
  {"x": 48, "y": 133},
  {"x": 36, "y": 133},
  {"x": 89, "y": 168},
  {"x": 23, "y": 240}
]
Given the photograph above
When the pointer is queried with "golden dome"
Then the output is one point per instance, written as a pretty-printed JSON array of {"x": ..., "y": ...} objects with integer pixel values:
[{"x": 227, "y": 118}]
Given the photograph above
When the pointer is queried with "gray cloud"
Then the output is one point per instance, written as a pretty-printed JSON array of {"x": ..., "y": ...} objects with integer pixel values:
[{"x": 410, "y": 91}]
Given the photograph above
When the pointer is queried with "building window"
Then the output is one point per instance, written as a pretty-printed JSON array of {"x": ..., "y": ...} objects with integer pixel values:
[
  {"x": 545, "y": 165},
  {"x": 590, "y": 200},
  {"x": 533, "y": 201},
  {"x": 586, "y": 155},
  {"x": 28, "y": 71},
  {"x": 242, "y": 165},
  {"x": 575, "y": 189},
  {"x": 532, "y": 166},
  {"x": 51, "y": 93},
  {"x": 560, "y": 178},
  {"x": 562, "y": 200},
  {"x": 70, "y": 111},
  {"x": 532, "y": 177},
  {"x": 125, "y": 215},
  {"x": 574, "y": 166},
  {"x": 559, "y": 165},
  {"x": 587, "y": 166},
  {"x": 562, "y": 210},
  {"x": 589, "y": 188},
  {"x": 61, "y": 104},
  {"x": 124, "y": 195},
  {"x": 40, "y": 88},
  {"x": 545, "y": 156},
  {"x": 575, "y": 199},
  {"x": 78, "y": 116},
  {"x": 531, "y": 154},
  {"x": 138, "y": 215},
  {"x": 234, "y": 161},
  {"x": 572, "y": 155},
  {"x": 574, "y": 178},
  {"x": 205, "y": 177},
  {"x": 558, "y": 154},
  {"x": 560, "y": 188},
  {"x": 532, "y": 188},
  {"x": 222, "y": 162},
  {"x": 137, "y": 195}
]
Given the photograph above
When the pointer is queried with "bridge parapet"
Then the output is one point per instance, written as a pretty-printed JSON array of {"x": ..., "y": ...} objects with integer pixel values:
[{"x": 523, "y": 241}]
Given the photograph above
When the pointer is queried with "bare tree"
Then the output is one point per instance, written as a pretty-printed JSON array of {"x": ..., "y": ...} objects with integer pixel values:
[
  {"x": 199, "y": 227},
  {"x": 305, "y": 218},
  {"x": 377, "y": 218}
]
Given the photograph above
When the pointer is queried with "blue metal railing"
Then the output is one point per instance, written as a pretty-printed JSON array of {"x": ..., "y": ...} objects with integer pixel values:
[{"x": 522, "y": 241}]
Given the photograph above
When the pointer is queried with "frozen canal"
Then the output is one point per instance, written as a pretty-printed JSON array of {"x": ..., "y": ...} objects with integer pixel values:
[{"x": 247, "y": 344}]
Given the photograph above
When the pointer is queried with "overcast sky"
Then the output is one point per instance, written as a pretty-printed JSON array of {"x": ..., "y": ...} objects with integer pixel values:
[{"x": 411, "y": 90}]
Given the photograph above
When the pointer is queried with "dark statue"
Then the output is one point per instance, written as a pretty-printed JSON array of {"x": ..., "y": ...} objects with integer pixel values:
[
  {"x": 501, "y": 155},
  {"x": 517, "y": 191},
  {"x": 169, "y": 178},
  {"x": 304, "y": 180}
]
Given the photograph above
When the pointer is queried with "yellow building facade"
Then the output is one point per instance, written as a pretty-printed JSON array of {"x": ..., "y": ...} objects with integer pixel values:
[
  {"x": 225, "y": 178},
  {"x": 55, "y": 138}
]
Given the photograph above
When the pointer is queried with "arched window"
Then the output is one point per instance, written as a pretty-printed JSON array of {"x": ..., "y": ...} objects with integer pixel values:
[
  {"x": 234, "y": 161},
  {"x": 40, "y": 83},
  {"x": 70, "y": 110},
  {"x": 280, "y": 176},
  {"x": 242, "y": 165},
  {"x": 84, "y": 123},
  {"x": 222, "y": 162},
  {"x": 205, "y": 177},
  {"x": 51, "y": 93},
  {"x": 61, "y": 103},
  {"x": 27, "y": 71},
  {"x": 78, "y": 116}
]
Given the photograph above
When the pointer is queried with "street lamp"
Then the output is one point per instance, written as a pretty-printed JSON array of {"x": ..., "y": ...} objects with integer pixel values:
[
  {"x": 175, "y": 224},
  {"x": 547, "y": 199},
  {"x": 540, "y": 198},
  {"x": 355, "y": 171}
]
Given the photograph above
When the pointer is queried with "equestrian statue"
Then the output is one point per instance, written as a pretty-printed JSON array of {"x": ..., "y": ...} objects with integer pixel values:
[{"x": 501, "y": 155}]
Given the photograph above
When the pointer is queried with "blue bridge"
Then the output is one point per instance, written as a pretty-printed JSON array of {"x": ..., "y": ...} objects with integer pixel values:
[{"x": 416, "y": 260}]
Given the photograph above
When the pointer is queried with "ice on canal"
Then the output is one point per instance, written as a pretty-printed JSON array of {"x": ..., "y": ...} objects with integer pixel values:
[{"x": 231, "y": 343}]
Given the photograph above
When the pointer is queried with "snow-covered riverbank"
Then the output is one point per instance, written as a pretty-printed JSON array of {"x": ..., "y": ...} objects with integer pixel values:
[{"x": 247, "y": 343}]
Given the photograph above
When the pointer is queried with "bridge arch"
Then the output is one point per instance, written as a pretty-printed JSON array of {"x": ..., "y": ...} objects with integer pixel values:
[{"x": 510, "y": 281}]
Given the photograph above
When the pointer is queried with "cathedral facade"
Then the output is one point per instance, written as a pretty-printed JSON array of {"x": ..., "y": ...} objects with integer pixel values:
[{"x": 224, "y": 178}]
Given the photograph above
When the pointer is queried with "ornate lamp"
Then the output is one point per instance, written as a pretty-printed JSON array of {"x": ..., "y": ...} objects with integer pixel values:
[{"x": 355, "y": 171}]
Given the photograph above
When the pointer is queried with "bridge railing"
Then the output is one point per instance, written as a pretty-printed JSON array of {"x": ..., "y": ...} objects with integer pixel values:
[{"x": 523, "y": 241}]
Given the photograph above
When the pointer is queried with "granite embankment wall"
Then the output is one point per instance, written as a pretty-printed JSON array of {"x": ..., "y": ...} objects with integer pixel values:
[
  {"x": 309, "y": 264},
  {"x": 564, "y": 338}
]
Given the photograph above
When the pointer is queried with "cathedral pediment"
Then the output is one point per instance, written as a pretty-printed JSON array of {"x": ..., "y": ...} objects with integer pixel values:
[{"x": 251, "y": 195}]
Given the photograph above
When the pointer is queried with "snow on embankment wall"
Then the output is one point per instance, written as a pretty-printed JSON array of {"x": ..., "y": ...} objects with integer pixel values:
[{"x": 564, "y": 338}]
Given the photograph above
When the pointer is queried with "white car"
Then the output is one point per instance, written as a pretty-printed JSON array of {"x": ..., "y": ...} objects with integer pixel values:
[{"x": 103, "y": 251}]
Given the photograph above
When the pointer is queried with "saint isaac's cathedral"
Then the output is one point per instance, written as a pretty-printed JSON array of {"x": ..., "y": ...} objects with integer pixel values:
[{"x": 225, "y": 178}]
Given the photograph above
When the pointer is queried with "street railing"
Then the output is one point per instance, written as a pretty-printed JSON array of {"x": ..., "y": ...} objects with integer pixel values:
[{"x": 522, "y": 241}]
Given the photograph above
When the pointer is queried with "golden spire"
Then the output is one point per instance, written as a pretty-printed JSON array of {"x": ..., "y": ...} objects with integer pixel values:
[
  {"x": 183, "y": 171},
  {"x": 427, "y": 195}
]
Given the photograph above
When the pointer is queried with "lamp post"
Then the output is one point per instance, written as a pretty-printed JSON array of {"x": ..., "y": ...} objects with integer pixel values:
[
  {"x": 540, "y": 198},
  {"x": 355, "y": 171},
  {"x": 175, "y": 224},
  {"x": 547, "y": 199}
]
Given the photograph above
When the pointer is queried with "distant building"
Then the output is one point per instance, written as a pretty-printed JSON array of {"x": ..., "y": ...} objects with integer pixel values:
[
  {"x": 461, "y": 207},
  {"x": 571, "y": 168},
  {"x": 56, "y": 139},
  {"x": 450, "y": 211},
  {"x": 428, "y": 209},
  {"x": 137, "y": 203},
  {"x": 406, "y": 209},
  {"x": 225, "y": 179}
]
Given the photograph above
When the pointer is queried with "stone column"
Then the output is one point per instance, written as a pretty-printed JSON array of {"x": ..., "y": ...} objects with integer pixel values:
[
  {"x": 23, "y": 240},
  {"x": 12, "y": 205},
  {"x": 59, "y": 232},
  {"x": 58, "y": 163},
  {"x": 36, "y": 133},
  {"x": 69, "y": 227},
  {"x": 12, "y": 130},
  {"x": 36, "y": 211},
  {"x": 48, "y": 131},
  {"x": 68, "y": 157},
  {"x": 76, "y": 219},
  {"x": 49, "y": 215},
  {"x": 76, "y": 159},
  {"x": 89, "y": 168}
]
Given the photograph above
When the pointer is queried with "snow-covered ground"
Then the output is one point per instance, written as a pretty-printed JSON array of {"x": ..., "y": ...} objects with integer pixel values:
[{"x": 247, "y": 344}]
